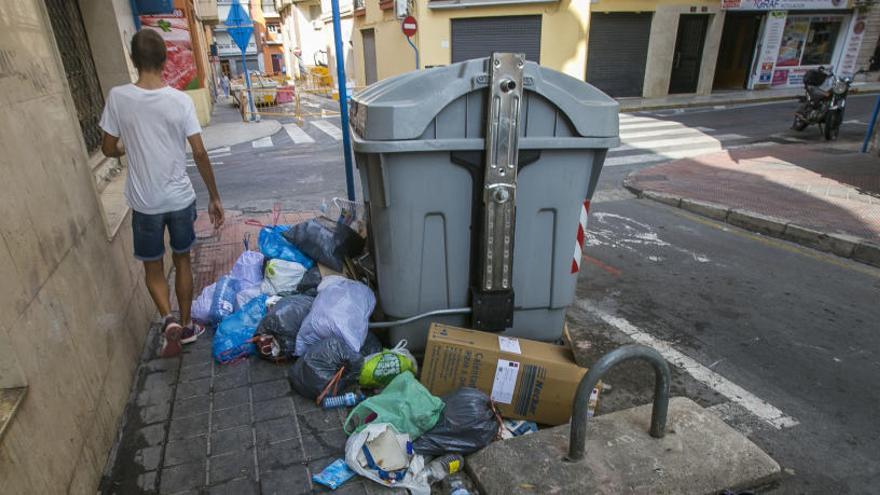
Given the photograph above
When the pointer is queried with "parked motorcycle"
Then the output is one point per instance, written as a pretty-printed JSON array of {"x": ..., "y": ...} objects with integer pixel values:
[{"x": 824, "y": 102}]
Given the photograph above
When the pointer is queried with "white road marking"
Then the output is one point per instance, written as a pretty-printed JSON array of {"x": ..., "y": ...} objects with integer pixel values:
[
  {"x": 298, "y": 135},
  {"x": 616, "y": 161},
  {"x": 684, "y": 130},
  {"x": 330, "y": 129},
  {"x": 754, "y": 404},
  {"x": 265, "y": 142},
  {"x": 193, "y": 164},
  {"x": 855, "y": 122},
  {"x": 651, "y": 124},
  {"x": 666, "y": 143},
  {"x": 224, "y": 149}
]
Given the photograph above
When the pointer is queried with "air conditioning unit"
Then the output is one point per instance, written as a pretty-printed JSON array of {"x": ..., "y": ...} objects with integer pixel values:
[
  {"x": 318, "y": 24},
  {"x": 400, "y": 8}
]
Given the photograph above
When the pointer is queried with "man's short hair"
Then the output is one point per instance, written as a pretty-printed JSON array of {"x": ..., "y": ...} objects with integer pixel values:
[{"x": 148, "y": 50}]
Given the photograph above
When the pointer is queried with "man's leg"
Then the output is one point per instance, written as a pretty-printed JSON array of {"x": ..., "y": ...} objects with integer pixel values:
[
  {"x": 154, "y": 275},
  {"x": 183, "y": 285}
]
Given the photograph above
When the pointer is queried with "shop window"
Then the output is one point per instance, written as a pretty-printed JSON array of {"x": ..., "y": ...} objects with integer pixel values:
[
  {"x": 819, "y": 47},
  {"x": 809, "y": 40}
]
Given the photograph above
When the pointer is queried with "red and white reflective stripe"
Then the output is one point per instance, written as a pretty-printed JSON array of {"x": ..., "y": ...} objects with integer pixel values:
[{"x": 579, "y": 243}]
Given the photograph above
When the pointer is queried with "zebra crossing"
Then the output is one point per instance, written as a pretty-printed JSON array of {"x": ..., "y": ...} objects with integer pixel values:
[
  {"x": 643, "y": 139},
  {"x": 649, "y": 140}
]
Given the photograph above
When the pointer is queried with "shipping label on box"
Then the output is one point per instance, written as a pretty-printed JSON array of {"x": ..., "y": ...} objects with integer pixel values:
[{"x": 526, "y": 379}]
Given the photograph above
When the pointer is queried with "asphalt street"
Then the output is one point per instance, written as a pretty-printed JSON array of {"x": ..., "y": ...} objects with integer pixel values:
[{"x": 779, "y": 340}]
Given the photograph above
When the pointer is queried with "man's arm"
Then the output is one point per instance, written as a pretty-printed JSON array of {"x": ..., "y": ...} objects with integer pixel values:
[
  {"x": 112, "y": 147},
  {"x": 200, "y": 156}
]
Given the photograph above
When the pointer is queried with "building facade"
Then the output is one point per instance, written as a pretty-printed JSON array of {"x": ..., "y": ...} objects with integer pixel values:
[
  {"x": 75, "y": 311},
  {"x": 627, "y": 48}
]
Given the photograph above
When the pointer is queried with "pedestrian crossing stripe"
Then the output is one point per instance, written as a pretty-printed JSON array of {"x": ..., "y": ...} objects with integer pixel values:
[
  {"x": 265, "y": 142},
  {"x": 328, "y": 128},
  {"x": 298, "y": 135}
]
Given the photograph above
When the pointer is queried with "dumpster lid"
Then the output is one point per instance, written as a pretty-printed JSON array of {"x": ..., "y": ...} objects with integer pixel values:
[{"x": 401, "y": 107}]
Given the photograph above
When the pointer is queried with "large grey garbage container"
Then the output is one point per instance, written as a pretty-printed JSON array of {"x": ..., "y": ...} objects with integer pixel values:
[{"x": 419, "y": 141}]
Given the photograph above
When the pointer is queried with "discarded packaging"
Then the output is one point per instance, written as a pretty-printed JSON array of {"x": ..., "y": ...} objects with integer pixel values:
[
  {"x": 329, "y": 361},
  {"x": 334, "y": 475},
  {"x": 382, "y": 454},
  {"x": 404, "y": 403},
  {"x": 517, "y": 427},
  {"x": 526, "y": 379},
  {"x": 443, "y": 466},
  {"x": 466, "y": 425},
  {"x": 380, "y": 368}
]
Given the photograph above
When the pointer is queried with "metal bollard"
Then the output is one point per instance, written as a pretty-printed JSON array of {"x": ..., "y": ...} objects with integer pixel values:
[{"x": 578, "y": 440}]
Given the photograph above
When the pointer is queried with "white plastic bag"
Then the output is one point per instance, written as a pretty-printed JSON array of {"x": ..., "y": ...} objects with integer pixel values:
[
  {"x": 248, "y": 268},
  {"x": 201, "y": 307},
  {"x": 342, "y": 310},
  {"x": 282, "y": 276},
  {"x": 395, "y": 447}
]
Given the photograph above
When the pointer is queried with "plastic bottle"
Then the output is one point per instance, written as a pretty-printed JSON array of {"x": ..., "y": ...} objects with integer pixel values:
[
  {"x": 457, "y": 487},
  {"x": 345, "y": 400},
  {"x": 443, "y": 466}
]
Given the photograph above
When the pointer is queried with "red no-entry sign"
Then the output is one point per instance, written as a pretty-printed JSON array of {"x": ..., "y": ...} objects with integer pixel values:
[{"x": 409, "y": 26}]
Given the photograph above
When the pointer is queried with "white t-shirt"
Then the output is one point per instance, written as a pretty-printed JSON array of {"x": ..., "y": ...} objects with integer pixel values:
[{"x": 153, "y": 125}]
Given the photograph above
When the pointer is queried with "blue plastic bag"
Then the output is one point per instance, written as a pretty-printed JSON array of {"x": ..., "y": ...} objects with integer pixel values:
[
  {"x": 273, "y": 245},
  {"x": 334, "y": 475},
  {"x": 233, "y": 337},
  {"x": 223, "y": 300}
]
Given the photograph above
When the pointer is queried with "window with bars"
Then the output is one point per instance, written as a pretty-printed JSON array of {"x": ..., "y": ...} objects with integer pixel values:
[{"x": 79, "y": 67}]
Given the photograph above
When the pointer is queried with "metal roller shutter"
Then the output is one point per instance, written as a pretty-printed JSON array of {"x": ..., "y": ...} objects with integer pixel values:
[
  {"x": 480, "y": 36},
  {"x": 617, "y": 52}
]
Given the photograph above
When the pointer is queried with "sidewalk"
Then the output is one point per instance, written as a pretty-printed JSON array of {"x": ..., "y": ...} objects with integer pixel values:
[
  {"x": 636, "y": 104},
  {"x": 227, "y": 128},
  {"x": 821, "y": 196},
  {"x": 194, "y": 426}
]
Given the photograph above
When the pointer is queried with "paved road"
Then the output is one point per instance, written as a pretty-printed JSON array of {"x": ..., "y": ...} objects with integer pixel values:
[{"x": 779, "y": 340}]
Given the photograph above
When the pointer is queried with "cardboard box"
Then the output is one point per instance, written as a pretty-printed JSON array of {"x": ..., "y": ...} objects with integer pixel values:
[{"x": 526, "y": 379}]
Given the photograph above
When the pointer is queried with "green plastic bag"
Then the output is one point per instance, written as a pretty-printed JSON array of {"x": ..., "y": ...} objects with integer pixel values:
[
  {"x": 405, "y": 403},
  {"x": 380, "y": 368}
]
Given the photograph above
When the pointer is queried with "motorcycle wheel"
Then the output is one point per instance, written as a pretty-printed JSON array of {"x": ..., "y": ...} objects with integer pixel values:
[
  {"x": 832, "y": 125},
  {"x": 799, "y": 124}
]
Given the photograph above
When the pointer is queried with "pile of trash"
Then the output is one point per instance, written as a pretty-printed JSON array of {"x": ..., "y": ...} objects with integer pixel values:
[{"x": 292, "y": 304}]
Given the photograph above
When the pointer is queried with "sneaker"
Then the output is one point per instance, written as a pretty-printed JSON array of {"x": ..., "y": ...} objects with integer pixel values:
[
  {"x": 170, "y": 338},
  {"x": 191, "y": 333}
]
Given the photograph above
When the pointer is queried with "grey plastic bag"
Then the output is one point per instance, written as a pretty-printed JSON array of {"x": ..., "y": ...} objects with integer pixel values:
[
  {"x": 311, "y": 373},
  {"x": 326, "y": 241},
  {"x": 466, "y": 425},
  {"x": 284, "y": 319},
  {"x": 310, "y": 281},
  {"x": 342, "y": 310}
]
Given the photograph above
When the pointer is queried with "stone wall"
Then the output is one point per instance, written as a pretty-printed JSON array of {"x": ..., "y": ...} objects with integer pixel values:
[{"x": 73, "y": 310}]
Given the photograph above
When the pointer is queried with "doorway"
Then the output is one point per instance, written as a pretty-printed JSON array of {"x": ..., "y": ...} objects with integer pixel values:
[
  {"x": 370, "y": 74},
  {"x": 688, "y": 53},
  {"x": 737, "y": 50}
]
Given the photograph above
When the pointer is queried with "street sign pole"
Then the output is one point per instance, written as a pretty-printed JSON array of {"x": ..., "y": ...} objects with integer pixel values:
[
  {"x": 409, "y": 26},
  {"x": 343, "y": 101},
  {"x": 247, "y": 81}
]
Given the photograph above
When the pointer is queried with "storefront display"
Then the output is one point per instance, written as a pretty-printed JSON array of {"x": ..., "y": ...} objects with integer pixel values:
[{"x": 798, "y": 35}]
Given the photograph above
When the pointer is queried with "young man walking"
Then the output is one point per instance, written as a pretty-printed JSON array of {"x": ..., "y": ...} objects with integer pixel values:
[{"x": 151, "y": 123}]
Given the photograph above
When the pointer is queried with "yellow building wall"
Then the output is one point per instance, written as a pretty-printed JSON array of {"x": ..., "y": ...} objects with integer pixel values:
[
  {"x": 564, "y": 29},
  {"x": 647, "y": 5}
]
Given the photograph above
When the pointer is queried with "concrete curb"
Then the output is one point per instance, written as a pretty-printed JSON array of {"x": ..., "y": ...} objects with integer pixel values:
[
  {"x": 760, "y": 97},
  {"x": 845, "y": 246}
]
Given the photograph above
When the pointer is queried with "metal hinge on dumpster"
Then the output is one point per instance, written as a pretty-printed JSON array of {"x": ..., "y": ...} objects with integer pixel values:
[{"x": 493, "y": 297}]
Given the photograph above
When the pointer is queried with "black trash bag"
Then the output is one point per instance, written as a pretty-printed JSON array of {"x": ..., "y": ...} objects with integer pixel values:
[
  {"x": 466, "y": 425},
  {"x": 326, "y": 241},
  {"x": 284, "y": 319},
  {"x": 310, "y": 281},
  {"x": 372, "y": 345},
  {"x": 311, "y": 373}
]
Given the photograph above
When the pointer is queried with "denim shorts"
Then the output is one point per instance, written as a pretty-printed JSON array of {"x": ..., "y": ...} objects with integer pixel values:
[{"x": 149, "y": 232}]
